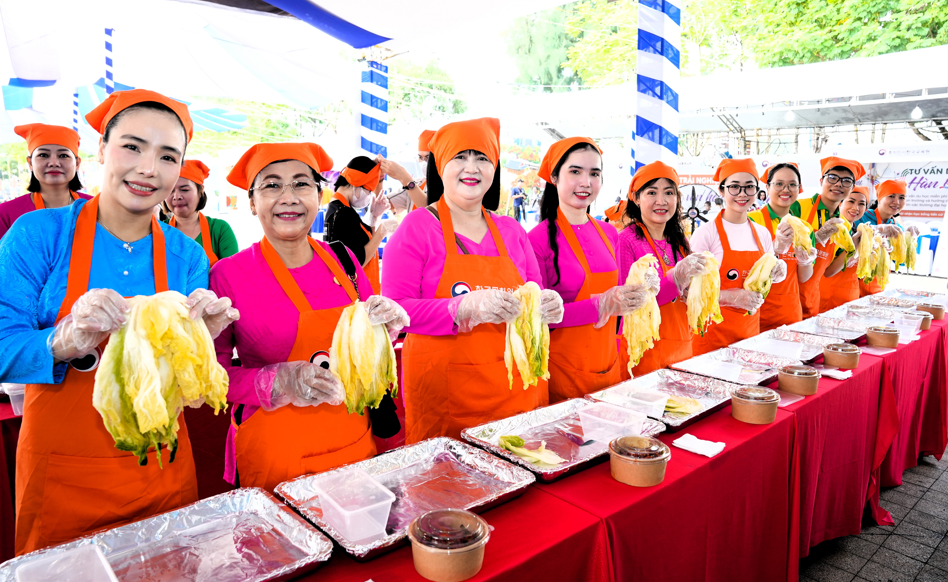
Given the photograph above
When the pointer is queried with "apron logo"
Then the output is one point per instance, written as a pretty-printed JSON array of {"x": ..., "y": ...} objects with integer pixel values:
[
  {"x": 87, "y": 363},
  {"x": 733, "y": 274},
  {"x": 321, "y": 359},
  {"x": 460, "y": 288}
]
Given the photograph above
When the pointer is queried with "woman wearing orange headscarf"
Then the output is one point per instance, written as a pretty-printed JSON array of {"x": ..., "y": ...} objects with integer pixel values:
[
  {"x": 185, "y": 204},
  {"x": 71, "y": 268},
  {"x": 453, "y": 267},
  {"x": 839, "y": 284},
  {"x": 890, "y": 196},
  {"x": 54, "y": 165}
]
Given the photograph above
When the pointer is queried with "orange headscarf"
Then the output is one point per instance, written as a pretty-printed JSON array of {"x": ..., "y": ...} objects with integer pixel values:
[
  {"x": 729, "y": 166},
  {"x": 890, "y": 187},
  {"x": 38, "y": 134},
  {"x": 424, "y": 139},
  {"x": 766, "y": 175},
  {"x": 862, "y": 190},
  {"x": 195, "y": 171},
  {"x": 262, "y": 155},
  {"x": 368, "y": 180},
  {"x": 119, "y": 101},
  {"x": 827, "y": 164},
  {"x": 482, "y": 135},
  {"x": 650, "y": 172},
  {"x": 556, "y": 153}
]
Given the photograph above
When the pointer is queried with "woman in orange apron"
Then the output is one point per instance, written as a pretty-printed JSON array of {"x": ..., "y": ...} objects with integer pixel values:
[
  {"x": 821, "y": 212},
  {"x": 185, "y": 204},
  {"x": 840, "y": 284},
  {"x": 71, "y": 267},
  {"x": 655, "y": 214},
  {"x": 891, "y": 199},
  {"x": 453, "y": 267},
  {"x": 737, "y": 243},
  {"x": 782, "y": 306},
  {"x": 289, "y": 416},
  {"x": 54, "y": 172}
]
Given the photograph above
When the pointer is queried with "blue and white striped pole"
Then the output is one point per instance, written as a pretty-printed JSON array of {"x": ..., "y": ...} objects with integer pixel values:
[
  {"x": 658, "y": 72},
  {"x": 373, "y": 110},
  {"x": 75, "y": 111},
  {"x": 109, "y": 77}
]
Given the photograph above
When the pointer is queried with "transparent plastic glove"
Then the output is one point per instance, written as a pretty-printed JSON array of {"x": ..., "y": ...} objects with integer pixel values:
[
  {"x": 779, "y": 272},
  {"x": 384, "y": 311},
  {"x": 380, "y": 206},
  {"x": 827, "y": 230},
  {"x": 852, "y": 262},
  {"x": 784, "y": 238},
  {"x": 96, "y": 314},
  {"x": 216, "y": 311},
  {"x": 805, "y": 258},
  {"x": 551, "y": 306},
  {"x": 297, "y": 383},
  {"x": 887, "y": 230},
  {"x": 653, "y": 282},
  {"x": 913, "y": 230},
  {"x": 684, "y": 270},
  {"x": 485, "y": 306},
  {"x": 749, "y": 301},
  {"x": 388, "y": 226},
  {"x": 620, "y": 301}
]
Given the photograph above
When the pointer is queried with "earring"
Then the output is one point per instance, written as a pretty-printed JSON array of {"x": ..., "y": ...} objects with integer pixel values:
[{"x": 254, "y": 212}]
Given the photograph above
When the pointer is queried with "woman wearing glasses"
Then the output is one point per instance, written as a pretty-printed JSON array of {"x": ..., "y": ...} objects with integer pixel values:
[
  {"x": 288, "y": 412},
  {"x": 839, "y": 284},
  {"x": 821, "y": 212},
  {"x": 185, "y": 204},
  {"x": 782, "y": 306},
  {"x": 737, "y": 243}
]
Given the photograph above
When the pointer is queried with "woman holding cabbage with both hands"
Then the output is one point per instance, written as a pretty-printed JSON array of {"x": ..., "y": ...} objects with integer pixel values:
[
  {"x": 288, "y": 414},
  {"x": 454, "y": 267}
]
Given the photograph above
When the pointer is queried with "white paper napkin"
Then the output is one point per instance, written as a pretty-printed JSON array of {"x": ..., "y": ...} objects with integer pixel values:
[
  {"x": 695, "y": 445},
  {"x": 876, "y": 351},
  {"x": 833, "y": 372}
]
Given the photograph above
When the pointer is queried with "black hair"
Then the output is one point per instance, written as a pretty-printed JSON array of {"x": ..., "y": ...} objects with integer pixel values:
[
  {"x": 363, "y": 164},
  {"x": 674, "y": 233},
  {"x": 491, "y": 200},
  {"x": 150, "y": 105},
  {"x": 781, "y": 166},
  {"x": 550, "y": 203},
  {"x": 75, "y": 185},
  {"x": 838, "y": 168},
  {"x": 316, "y": 176}
]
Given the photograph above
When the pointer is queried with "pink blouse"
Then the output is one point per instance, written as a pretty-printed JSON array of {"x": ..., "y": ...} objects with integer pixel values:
[
  {"x": 17, "y": 207},
  {"x": 633, "y": 248}
]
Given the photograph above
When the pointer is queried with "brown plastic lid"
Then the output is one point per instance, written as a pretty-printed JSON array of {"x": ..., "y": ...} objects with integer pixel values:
[
  {"x": 448, "y": 529},
  {"x": 843, "y": 348},
  {"x": 804, "y": 371},
  {"x": 883, "y": 329},
  {"x": 640, "y": 448},
  {"x": 756, "y": 394}
]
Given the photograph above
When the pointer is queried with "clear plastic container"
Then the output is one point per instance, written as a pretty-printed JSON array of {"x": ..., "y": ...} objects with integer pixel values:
[
  {"x": 16, "y": 392},
  {"x": 647, "y": 402},
  {"x": 603, "y": 422},
  {"x": 638, "y": 461},
  {"x": 447, "y": 545},
  {"x": 354, "y": 504},
  {"x": 82, "y": 564},
  {"x": 911, "y": 320}
]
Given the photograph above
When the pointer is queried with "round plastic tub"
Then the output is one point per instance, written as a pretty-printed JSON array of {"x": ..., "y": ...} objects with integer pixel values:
[
  {"x": 842, "y": 356},
  {"x": 638, "y": 461},
  {"x": 802, "y": 380},
  {"x": 937, "y": 310},
  {"x": 754, "y": 405},
  {"x": 447, "y": 545},
  {"x": 882, "y": 336}
]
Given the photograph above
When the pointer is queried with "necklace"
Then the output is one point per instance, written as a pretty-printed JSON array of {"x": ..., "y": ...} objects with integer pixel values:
[
  {"x": 664, "y": 250},
  {"x": 128, "y": 246}
]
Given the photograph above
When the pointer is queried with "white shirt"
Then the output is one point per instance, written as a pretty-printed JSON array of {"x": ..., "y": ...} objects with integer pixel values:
[{"x": 738, "y": 236}]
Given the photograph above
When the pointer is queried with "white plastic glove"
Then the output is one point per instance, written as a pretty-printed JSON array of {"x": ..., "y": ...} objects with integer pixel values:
[
  {"x": 653, "y": 282},
  {"x": 551, "y": 306},
  {"x": 784, "y": 238},
  {"x": 485, "y": 306},
  {"x": 388, "y": 226},
  {"x": 96, "y": 314},
  {"x": 827, "y": 230},
  {"x": 913, "y": 230},
  {"x": 380, "y": 206},
  {"x": 685, "y": 269},
  {"x": 297, "y": 383},
  {"x": 779, "y": 272},
  {"x": 621, "y": 300},
  {"x": 887, "y": 230},
  {"x": 852, "y": 262},
  {"x": 749, "y": 301},
  {"x": 216, "y": 311},
  {"x": 382, "y": 310},
  {"x": 805, "y": 258}
]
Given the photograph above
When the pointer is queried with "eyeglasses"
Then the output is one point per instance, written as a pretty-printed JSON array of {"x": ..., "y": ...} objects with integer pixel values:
[
  {"x": 737, "y": 190},
  {"x": 791, "y": 186},
  {"x": 846, "y": 182},
  {"x": 301, "y": 188}
]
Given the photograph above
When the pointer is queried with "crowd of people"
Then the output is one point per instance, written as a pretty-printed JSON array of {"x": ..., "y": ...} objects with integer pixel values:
[{"x": 450, "y": 268}]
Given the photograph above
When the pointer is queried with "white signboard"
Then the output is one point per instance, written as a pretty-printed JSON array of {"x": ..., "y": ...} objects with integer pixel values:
[{"x": 927, "y": 186}]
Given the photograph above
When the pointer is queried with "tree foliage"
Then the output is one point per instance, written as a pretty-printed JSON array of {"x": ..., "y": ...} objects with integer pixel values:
[
  {"x": 539, "y": 44},
  {"x": 416, "y": 92}
]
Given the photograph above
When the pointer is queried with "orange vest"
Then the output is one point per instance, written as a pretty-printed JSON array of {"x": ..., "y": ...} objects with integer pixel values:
[
  {"x": 782, "y": 306},
  {"x": 37, "y": 199},
  {"x": 810, "y": 289},
  {"x": 70, "y": 478},
  {"x": 371, "y": 268},
  {"x": 584, "y": 359},
  {"x": 278, "y": 445},
  {"x": 205, "y": 236},
  {"x": 456, "y": 382}
]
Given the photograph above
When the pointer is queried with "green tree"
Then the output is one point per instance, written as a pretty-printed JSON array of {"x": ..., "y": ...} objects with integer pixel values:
[
  {"x": 606, "y": 35},
  {"x": 539, "y": 44},
  {"x": 418, "y": 91}
]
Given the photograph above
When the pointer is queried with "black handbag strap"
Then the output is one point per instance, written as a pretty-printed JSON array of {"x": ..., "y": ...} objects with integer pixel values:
[
  {"x": 456, "y": 239},
  {"x": 342, "y": 253}
]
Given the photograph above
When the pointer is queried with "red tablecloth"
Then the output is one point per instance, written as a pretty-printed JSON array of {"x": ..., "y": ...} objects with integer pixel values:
[
  {"x": 9, "y": 433},
  {"x": 724, "y": 518},
  {"x": 208, "y": 434},
  {"x": 535, "y": 537}
]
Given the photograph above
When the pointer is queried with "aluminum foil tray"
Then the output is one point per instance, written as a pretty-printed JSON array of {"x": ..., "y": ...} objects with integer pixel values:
[
  {"x": 812, "y": 345},
  {"x": 547, "y": 424},
  {"x": 758, "y": 368},
  {"x": 236, "y": 536},
  {"x": 874, "y": 312},
  {"x": 434, "y": 474},
  {"x": 902, "y": 303},
  {"x": 826, "y": 327},
  {"x": 916, "y": 295},
  {"x": 711, "y": 393}
]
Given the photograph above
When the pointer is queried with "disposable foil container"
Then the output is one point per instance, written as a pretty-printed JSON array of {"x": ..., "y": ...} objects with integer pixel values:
[
  {"x": 757, "y": 368},
  {"x": 874, "y": 312},
  {"x": 437, "y": 473},
  {"x": 898, "y": 302},
  {"x": 828, "y": 327},
  {"x": 811, "y": 344}
]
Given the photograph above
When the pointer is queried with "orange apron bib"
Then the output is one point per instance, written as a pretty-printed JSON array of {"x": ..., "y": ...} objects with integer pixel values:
[
  {"x": 371, "y": 268},
  {"x": 810, "y": 289},
  {"x": 205, "y": 236},
  {"x": 675, "y": 343},
  {"x": 842, "y": 287},
  {"x": 456, "y": 382},
  {"x": 737, "y": 325},
  {"x": 70, "y": 478},
  {"x": 782, "y": 306},
  {"x": 278, "y": 445},
  {"x": 871, "y": 288},
  {"x": 37, "y": 199},
  {"x": 584, "y": 359}
]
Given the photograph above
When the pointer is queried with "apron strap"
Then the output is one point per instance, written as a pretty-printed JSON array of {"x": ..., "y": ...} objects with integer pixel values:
[
  {"x": 40, "y": 205},
  {"x": 719, "y": 224},
  {"x": 567, "y": 229},
  {"x": 206, "y": 238},
  {"x": 289, "y": 284},
  {"x": 814, "y": 212},
  {"x": 651, "y": 243},
  {"x": 447, "y": 229},
  {"x": 768, "y": 222}
]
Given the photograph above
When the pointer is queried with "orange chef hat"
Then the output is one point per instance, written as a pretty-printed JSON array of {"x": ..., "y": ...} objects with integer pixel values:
[
  {"x": 890, "y": 187},
  {"x": 195, "y": 171},
  {"x": 556, "y": 153},
  {"x": 368, "y": 180},
  {"x": 650, "y": 172},
  {"x": 729, "y": 166},
  {"x": 262, "y": 155},
  {"x": 119, "y": 101},
  {"x": 864, "y": 190},
  {"x": 482, "y": 135},
  {"x": 765, "y": 177},
  {"x": 424, "y": 139},
  {"x": 37, "y": 134},
  {"x": 827, "y": 164}
]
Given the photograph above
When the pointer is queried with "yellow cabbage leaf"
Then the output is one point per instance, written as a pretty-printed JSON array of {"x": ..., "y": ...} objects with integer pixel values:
[
  {"x": 641, "y": 327},
  {"x": 703, "y": 307},
  {"x": 528, "y": 339},
  {"x": 363, "y": 358}
]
